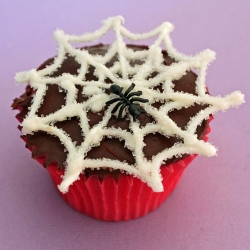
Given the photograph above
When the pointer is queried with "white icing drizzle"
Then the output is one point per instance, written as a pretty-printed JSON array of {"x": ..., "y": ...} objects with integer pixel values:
[{"x": 146, "y": 170}]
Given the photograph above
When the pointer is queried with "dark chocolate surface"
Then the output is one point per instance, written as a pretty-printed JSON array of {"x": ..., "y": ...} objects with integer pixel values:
[{"x": 50, "y": 146}]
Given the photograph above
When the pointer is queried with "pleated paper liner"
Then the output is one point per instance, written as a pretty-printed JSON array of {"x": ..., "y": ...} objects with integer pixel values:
[{"x": 125, "y": 199}]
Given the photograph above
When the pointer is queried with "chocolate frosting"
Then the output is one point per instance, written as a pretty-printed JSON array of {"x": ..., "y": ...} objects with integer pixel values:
[{"x": 43, "y": 144}]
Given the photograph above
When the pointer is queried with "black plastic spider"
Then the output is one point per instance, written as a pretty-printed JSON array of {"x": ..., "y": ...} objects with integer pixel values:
[{"x": 125, "y": 100}]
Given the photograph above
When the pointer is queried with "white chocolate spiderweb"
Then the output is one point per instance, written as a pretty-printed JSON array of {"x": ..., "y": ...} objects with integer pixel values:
[{"x": 146, "y": 170}]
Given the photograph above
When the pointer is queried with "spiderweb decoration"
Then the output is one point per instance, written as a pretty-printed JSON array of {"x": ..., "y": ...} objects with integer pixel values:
[{"x": 146, "y": 170}]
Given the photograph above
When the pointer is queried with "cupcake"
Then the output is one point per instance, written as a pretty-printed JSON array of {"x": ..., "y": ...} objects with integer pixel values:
[{"x": 116, "y": 125}]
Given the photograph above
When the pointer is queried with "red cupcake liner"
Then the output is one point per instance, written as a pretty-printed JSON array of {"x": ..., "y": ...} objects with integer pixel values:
[{"x": 126, "y": 199}]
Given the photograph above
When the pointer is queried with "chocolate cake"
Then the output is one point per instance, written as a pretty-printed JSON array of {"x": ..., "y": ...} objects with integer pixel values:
[{"x": 116, "y": 125}]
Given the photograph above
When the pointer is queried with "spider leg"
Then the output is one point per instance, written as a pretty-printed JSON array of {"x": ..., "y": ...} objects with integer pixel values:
[
  {"x": 121, "y": 110},
  {"x": 114, "y": 100},
  {"x": 139, "y": 99},
  {"x": 137, "y": 93},
  {"x": 117, "y": 106},
  {"x": 129, "y": 89}
]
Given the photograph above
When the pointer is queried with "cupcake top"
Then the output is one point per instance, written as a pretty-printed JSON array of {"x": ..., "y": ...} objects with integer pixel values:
[{"x": 138, "y": 82}]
